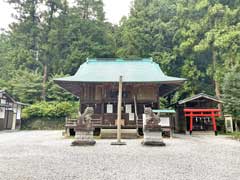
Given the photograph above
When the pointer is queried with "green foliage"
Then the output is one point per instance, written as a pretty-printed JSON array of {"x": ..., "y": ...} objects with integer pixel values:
[
  {"x": 50, "y": 110},
  {"x": 58, "y": 38},
  {"x": 26, "y": 85},
  {"x": 236, "y": 135},
  {"x": 191, "y": 39},
  {"x": 195, "y": 39},
  {"x": 43, "y": 124},
  {"x": 163, "y": 103},
  {"x": 55, "y": 93},
  {"x": 231, "y": 93}
]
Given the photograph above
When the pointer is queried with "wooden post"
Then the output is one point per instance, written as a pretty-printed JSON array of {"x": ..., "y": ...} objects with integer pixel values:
[
  {"x": 119, "y": 110},
  {"x": 191, "y": 123},
  {"x": 135, "y": 108},
  {"x": 119, "y": 113},
  {"x": 214, "y": 123}
]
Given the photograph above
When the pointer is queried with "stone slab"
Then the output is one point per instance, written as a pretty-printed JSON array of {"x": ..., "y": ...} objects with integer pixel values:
[
  {"x": 153, "y": 143},
  {"x": 118, "y": 143},
  {"x": 83, "y": 143}
]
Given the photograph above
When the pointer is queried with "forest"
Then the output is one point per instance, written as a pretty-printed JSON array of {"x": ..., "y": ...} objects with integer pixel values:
[{"x": 195, "y": 39}]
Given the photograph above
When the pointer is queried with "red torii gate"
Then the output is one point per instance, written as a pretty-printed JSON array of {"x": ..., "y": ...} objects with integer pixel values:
[{"x": 202, "y": 113}]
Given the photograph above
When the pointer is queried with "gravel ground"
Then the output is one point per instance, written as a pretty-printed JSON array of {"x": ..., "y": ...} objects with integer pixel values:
[{"x": 46, "y": 155}]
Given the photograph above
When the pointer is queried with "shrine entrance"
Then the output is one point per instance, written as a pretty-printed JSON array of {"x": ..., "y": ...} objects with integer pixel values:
[
  {"x": 201, "y": 119},
  {"x": 200, "y": 123}
]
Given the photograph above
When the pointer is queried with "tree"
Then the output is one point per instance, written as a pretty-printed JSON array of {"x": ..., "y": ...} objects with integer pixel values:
[
  {"x": 51, "y": 37},
  {"x": 55, "y": 93},
  {"x": 46, "y": 49},
  {"x": 26, "y": 86},
  {"x": 25, "y": 31},
  {"x": 90, "y": 9},
  {"x": 231, "y": 95}
]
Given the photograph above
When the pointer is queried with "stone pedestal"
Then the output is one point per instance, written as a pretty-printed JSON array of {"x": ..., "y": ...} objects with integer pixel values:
[
  {"x": 153, "y": 138},
  {"x": 84, "y": 137}
]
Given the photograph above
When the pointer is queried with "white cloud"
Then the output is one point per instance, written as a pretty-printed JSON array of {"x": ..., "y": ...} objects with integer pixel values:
[
  {"x": 5, "y": 14},
  {"x": 116, "y": 9}
]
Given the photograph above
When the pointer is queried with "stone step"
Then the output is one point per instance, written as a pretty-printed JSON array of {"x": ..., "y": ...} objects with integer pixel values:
[
  {"x": 202, "y": 133},
  {"x": 112, "y": 133}
]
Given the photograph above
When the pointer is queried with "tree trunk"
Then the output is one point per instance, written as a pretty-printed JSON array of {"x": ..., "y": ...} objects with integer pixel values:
[
  {"x": 44, "y": 82},
  {"x": 236, "y": 126},
  {"x": 216, "y": 83}
]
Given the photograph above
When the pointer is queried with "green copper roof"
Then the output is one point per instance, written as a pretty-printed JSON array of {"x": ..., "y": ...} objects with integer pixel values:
[{"x": 109, "y": 70}]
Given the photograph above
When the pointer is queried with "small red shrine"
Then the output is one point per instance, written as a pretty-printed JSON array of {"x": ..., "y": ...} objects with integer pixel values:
[
  {"x": 197, "y": 113},
  {"x": 210, "y": 113}
]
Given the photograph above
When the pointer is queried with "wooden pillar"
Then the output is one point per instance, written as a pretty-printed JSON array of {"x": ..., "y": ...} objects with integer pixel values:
[
  {"x": 15, "y": 111},
  {"x": 191, "y": 123},
  {"x": 102, "y": 103},
  {"x": 214, "y": 123},
  {"x": 135, "y": 110},
  {"x": 102, "y": 112},
  {"x": 119, "y": 110}
]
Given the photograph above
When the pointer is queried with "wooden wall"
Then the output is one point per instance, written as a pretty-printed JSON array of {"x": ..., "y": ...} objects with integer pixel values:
[
  {"x": 99, "y": 96},
  {"x": 10, "y": 112}
]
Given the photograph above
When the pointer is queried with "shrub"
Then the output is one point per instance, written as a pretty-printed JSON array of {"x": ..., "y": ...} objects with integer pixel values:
[{"x": 50, "y": 110}]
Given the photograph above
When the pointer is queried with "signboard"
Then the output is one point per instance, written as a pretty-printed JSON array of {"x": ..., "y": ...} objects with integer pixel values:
[
  {"x": 144, "y": 119},
  {"x": 229, "y": 123},
  {"x": 128, "y": 108},
  {"x": 109, "y": 108},
  {"x": 3, "y": 101},
  {"x": 131, "y": 116},
  {"x": 165, "y": 121},
  {"x": 19, "y": 112}
]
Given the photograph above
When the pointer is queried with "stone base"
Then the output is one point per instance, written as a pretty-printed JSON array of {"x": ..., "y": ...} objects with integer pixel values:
[
  {"x": 153, "y": 138},
  {"x": 83, "y": 143},
  {"x": 83, "y": 138},
  {"x": 154, "y": 143},
  {"x": 118, "y": 143}
]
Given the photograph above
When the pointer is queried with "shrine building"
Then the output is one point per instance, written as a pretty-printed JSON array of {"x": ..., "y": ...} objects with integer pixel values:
[
  {"x": 197, "y": 113},
  {"x": 10, "y": 112},
  {"x": 96, "y": 85}
]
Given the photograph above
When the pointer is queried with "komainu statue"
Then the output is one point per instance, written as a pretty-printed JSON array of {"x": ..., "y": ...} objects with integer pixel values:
[
  {"x": 151, "y": 129},
  {"x": 85, "y": 120},
  {"x": 84, "y": 129},
  {"x": 152, "y": 120}
]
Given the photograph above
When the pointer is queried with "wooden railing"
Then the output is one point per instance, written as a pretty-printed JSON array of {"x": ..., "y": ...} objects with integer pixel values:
[
  {"x": 109, "y": 120},
  {"x": 139, "y": 123},
  {"x": 73, "y": 122},
  {"x": 70, "y": 122}
]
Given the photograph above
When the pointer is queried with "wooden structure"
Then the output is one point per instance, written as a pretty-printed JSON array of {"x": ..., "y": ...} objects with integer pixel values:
[
  {"x": 197, "y": 113},
  {"x": 212, "y": 113},
  {"x": 10, "y": 112},
  {"x": 96, "y": 84}
]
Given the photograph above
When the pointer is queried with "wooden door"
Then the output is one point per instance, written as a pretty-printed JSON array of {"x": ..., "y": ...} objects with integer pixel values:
[
  {"x": 1, "y": 123},
  {"x": 8, "y": 119}
]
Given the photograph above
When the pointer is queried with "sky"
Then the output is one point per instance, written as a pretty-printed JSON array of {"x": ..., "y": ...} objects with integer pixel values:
[{"x": 114, "y": 10}]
